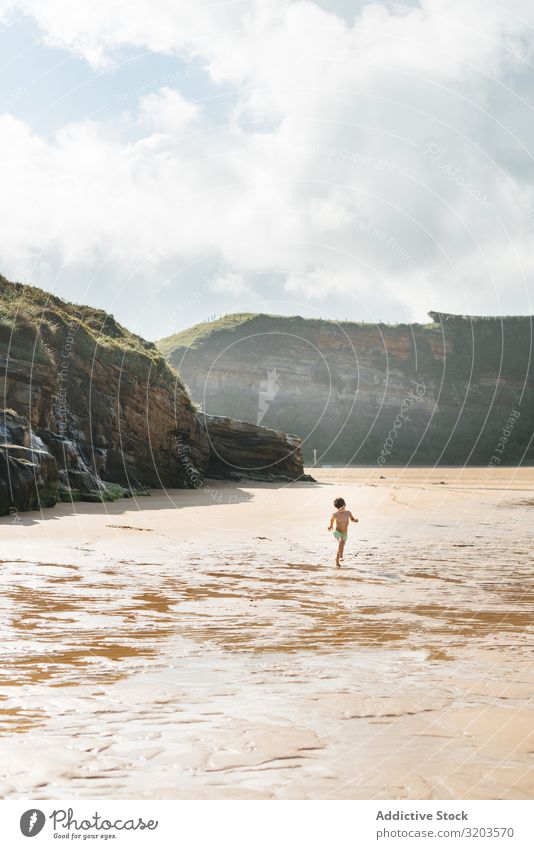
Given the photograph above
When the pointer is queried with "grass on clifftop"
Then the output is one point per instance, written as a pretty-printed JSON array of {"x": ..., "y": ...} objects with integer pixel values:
[
  {"x": 194, "y": 337},
  {"x": 198, "y": 334},
  {"x": 35, "y": 324}
]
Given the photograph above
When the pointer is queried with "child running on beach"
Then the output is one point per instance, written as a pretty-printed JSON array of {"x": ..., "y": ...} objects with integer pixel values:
[{"x": 341, "y": 517}]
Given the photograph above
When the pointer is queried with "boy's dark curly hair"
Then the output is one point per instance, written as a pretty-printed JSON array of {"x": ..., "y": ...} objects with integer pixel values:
[{"x": 339, "y": 502}]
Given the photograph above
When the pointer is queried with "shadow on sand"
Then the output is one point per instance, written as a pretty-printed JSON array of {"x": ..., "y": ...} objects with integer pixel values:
[{"x": 213, "y": 492}]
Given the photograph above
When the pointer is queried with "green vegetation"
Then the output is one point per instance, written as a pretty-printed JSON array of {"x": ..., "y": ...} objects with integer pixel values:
[
  {"x": 111, "y": 492},
  {"x": 38, "y": 326},
  {"x": 476, "y": 369},
  {"x": 197, "y": 334}
]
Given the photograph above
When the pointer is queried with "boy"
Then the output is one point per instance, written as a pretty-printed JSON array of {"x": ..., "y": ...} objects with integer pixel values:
[{"x": 341, "y": 517}]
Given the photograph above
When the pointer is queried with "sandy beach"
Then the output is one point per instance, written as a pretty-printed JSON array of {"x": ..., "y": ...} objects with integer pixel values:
[{"x": 201, "y": 644}]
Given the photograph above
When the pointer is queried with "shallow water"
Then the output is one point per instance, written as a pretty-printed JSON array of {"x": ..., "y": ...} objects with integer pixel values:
[{"x": 160, "y": 665}]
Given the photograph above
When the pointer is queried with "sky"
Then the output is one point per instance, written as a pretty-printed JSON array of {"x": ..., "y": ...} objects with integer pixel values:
[{"x": 170, "y": 161}]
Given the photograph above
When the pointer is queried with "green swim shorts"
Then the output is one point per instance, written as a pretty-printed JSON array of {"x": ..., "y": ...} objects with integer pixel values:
[{"x": 341, "y": 535}]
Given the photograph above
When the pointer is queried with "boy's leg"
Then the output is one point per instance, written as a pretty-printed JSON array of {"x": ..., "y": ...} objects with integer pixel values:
[{"x": 339, "y": 555}]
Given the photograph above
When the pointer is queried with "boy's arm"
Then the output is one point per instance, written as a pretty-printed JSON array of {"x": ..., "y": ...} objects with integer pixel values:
[
  {"x": 351, "y": 517},
  {"x": 331, "y": 525}
]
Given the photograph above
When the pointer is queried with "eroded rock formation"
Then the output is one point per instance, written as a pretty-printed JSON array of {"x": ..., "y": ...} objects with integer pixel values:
[
  {"x": 243, "y": 450},
  {"x": 458, "y": 390},
  {"x": 28, "y": 472},
  {"x": 91, "y": 411}
]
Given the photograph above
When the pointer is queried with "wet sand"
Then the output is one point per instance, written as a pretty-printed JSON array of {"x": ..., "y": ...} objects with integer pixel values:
[{"x": 202, "y": 644}]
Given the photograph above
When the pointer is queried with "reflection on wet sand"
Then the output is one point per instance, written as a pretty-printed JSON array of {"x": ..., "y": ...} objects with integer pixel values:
[{"x": 244, "y": 666}]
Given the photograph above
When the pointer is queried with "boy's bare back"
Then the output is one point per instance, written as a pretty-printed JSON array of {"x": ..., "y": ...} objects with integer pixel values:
[{"x": 342, "y": 517}]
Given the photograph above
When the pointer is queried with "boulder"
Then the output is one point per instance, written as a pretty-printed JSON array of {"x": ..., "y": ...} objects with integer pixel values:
[{"x": 243, "y": 450}]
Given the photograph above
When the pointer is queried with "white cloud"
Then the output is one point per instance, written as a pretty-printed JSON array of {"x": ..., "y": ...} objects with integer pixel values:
[
  {"x": 168, "y": 111},
  {"x": 231, "y": 284},
  {"x": 318, "y": 284},
  {"x": 338, "y": 186}
]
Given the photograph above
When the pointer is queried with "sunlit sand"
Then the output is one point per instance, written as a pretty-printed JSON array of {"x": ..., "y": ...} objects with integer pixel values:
[{"x": 203, "y": 645}]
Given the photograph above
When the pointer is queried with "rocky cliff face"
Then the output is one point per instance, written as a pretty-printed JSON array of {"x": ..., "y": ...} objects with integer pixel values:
[
  {"x": 28, "y": 472},
  {"x": 240, "y": 449},
  {"x": 458, "y": 390},
  {"x": 102, "y": 400},
  {"x": 91, "y": 410}
]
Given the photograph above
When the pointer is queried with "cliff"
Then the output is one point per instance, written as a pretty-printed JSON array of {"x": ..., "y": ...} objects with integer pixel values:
[
  {"x": 457, "y": 390},
  {"x": 240, "y": 449},
  {"x": 91, "y": 410}
]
